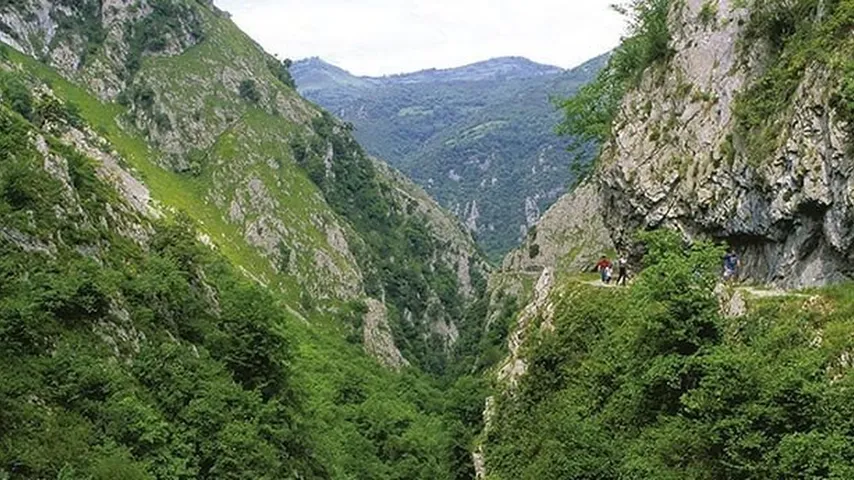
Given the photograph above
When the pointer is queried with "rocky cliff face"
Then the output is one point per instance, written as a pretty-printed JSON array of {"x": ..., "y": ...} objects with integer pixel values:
[
  {"x": 569, "y": 238},
  {"x": 210, "y": 125},
  {"x": 677, "y": 158},
  {"x": 680, "y": 157},
  {"x": 99, "y": 42}
]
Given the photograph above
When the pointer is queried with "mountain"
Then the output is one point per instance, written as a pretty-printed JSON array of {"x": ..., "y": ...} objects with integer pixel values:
[
  {"x": 203, "y": 274},
  {"x": 504, "y": 68},
  {"x": 724, "y": 125},
  {"x": 479, "y": 138}
]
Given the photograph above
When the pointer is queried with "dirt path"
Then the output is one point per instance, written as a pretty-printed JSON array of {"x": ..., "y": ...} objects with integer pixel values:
[
  {"x": 759, "y": 292},
  {"x": 756, "y": 292},
  {"x": 599, "y": 284}
]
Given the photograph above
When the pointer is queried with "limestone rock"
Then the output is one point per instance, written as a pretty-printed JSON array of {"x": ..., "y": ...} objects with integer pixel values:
[
  {"x": 789, "y": 215},
  {"x": 377, "y": 337},
  {"x": 569, "y": 237}
]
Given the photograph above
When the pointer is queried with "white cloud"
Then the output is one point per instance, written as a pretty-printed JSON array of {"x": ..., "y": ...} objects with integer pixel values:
[{"x": 375, "y": 37}]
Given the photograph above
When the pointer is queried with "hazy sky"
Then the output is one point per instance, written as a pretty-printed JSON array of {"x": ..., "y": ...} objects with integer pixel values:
[{"x": 376, "y": 37}]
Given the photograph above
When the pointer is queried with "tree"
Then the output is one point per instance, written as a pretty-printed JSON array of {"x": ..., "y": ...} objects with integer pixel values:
[
  {"x": 248, "y": 91},
  {"x": 589, "y": 114}
]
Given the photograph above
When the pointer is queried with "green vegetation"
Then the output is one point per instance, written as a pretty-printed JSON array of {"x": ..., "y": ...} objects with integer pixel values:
[
  {"x": 483, "y": 341},
  {"x": 802, "y": 35},
  {"x": 17, "y": 94},
  {"x": 709, "y": 13},
  {"x": 84, "y": 20},
  {"x": 281, "y": 70},
  {"x": 144, "y": 360},
  {"x": 482, "y": 126},
  {"x": 248, "y": 91},
  {"x": 589, "y": 115},
  {"x": 398, "y": 250},
  {"x": 651, "y": 382},
  {"x": 122, "y": 362},
  {"x": 162, "y": 361}
]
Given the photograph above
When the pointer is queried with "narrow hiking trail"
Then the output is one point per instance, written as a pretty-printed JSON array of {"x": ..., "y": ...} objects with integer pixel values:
[
  {"x": 753, "y": 291},
  {"x": 759, "y": 292}
]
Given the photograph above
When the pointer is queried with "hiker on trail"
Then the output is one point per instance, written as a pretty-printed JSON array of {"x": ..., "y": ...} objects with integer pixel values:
[
  {"x": 731, "y": 265},
  {"x": 604, "y": 269},
  {"x": 623, "y": 277}
]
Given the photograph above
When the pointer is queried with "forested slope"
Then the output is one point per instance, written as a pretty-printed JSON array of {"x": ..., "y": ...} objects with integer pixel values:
[
  {"x": 660, "y": 380},
  {"x": 204, "y": 276}
]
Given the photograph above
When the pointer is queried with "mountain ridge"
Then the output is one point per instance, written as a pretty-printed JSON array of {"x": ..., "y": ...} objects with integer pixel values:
[{"x": 480, "y": 70}]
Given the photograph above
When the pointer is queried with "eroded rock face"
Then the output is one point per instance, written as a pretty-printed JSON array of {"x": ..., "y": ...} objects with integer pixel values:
[
  {"x": 515, "y": 365},
  {"x": 569, "y": 237},
  {"x": 673, "y": 162},
  {"x": 377, "y": 336},
  {"x": 41, "y": 29},
  {"x": 458, "y": 254}
]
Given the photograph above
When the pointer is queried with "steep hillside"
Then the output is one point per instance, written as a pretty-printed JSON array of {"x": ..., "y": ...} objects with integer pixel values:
[
  {"x": 123, "y": 336},
  {"x": 736, "y": 130},
  {"x": 722, "y": 124},
  {"x": 569, "y": 238},
  {"x": 658, "y": 381},
  {"x": 208, "y": 258},
  {"x": 479, "y": 138},
  {"x": 279, "y": 186}
]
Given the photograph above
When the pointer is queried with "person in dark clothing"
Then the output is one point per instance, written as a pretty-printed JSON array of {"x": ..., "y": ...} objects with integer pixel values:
[
  {"x": 623, "y": 272},
  {"x": 731, "y": 265}
]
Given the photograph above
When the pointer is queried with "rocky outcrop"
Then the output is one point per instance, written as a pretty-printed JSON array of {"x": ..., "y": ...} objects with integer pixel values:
[
  {"x": 377, "y": 337},
  {"x": 515, "y": 366},
  {"x": 97, "y": 41},
  {"x": 676, "y": 160},
  {"x": 458, "y": 252},
  {"x": 569, "y": 237}
]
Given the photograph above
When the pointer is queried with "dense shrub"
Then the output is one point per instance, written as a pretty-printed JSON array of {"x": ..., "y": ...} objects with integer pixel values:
[
  {"x": 169, "y": 20},
  {"x": 248, "y": 91},
  {"x": 17, "y": 94},
  {"x": 651, "y": 382},
  {"x": 281, "y": 70}
]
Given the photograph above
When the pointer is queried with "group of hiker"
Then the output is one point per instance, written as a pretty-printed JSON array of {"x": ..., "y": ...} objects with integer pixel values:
[
  {"x": 606, "y": 270},
  {"x": 731, "y": 264}
]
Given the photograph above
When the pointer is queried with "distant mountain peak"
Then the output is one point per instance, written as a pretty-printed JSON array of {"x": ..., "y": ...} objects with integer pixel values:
[
  {"x": 316, "y": 74},
  {"x": 491, "y": 69},
  {"x": 510, "y": 67}
]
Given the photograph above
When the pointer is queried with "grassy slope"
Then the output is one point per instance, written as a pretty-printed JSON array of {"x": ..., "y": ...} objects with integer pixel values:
[
  {"x": 171, "y": 190},
  {"x": 257, "y": 135},
  {"x": 324, "y": 362}
]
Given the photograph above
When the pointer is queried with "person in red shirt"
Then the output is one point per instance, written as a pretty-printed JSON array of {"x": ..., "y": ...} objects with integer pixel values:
[{"x": 604, "y": 267}]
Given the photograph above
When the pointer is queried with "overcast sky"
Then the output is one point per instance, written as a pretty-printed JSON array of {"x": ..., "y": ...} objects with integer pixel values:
[{"x": 378, "y": 37}]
